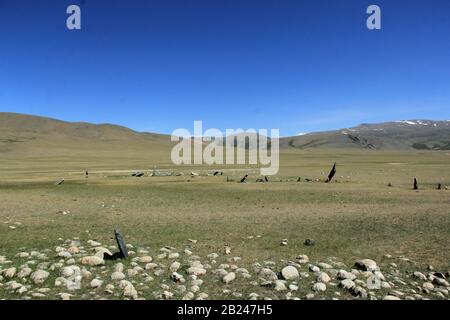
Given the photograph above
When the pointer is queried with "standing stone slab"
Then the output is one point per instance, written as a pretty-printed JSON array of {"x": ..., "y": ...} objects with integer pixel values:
[{"x": 121, "y": 244}]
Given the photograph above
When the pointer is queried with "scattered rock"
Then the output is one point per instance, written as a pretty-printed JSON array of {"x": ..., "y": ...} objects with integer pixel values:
[
  {"x": 73, "y": 250},
  {"x": 229, "y": 277},
  {"x": 309, "y": 296},
  {"x": 96, "y": 283},
  {"x": 39, "y": 276},
  {"x": 128, "y": 289},
  {"x": 175, "y": 266},
  {"x": 268, "y": 274},
  {"x": 319, "y": 287},
  {"x": 313, "y": 268},
  {"x": 441, "y": 282},
  {"x": 10, "y": 272},
  {"x": 303, "y": 258},
  {"x": 359, "y": 292},
  {"x": 347, "y": 284},
  {"x": 117, "y": 275},
  {"x": 342, "y": 275},
  {"x": 280, "y": 286},
  {"x": 290, "y": 273},
  {"x": 323, "y": 277},
  {"x": 23, "y": 273},
  {"x": 195, "y": 270},
  {"x": 65, "y": 296},
  {"x": 92, "y": 261},
  {"x": 366, "y": 265},
  {"x": 176, "y": 277},
  {"x": 428, "y": 285}
]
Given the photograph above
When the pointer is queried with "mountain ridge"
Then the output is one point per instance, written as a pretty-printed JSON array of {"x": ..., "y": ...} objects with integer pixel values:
[{"x": 23, "y": 131}]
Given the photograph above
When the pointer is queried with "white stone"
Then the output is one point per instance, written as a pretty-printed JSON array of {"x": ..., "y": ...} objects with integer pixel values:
[
  {"x": 116, "y": 275},
  {"x": 323, "y": 277},
  {"x": 25, "y": 272},
  {"x": 303, "y": 258},
  {"x": 39, "y": 276},
  {"x": 347, "y": 284},
  {"x": 128, "y": 289},
  {"x": 175, "y": 266},
  {"x": 92, "y": 261},
  {"x": 10, "y": 272},
  {"x": 290, "y": 273},
  {"x": 22, "y": 255},
  {"x": 268, "y": 274},
  {"x": 428, "y": 285},
  {"x": 100, "y": 252},
  {"x": 202, "y": 296},
  {"x": 342, "y": 274},
  {"x": 94, "y": 243},
  {"x": 366, "y": 265},
  {"x": 73, "y": 250},
  {"x": 176, "y": 277},
  {"x": 95, "y": 283},
  {"x": 65, "y": 296},
  {"x": 196, "y": 271},
  {"x": 319, "y": 287},
  {"x": 70, "y": 271},
  {"x": 174, "y": 255},
  {"x": 145, "y": 259},
  {"x": 188, "y": 296},
  {"x": 229, "y": 277},
  {"x": 22, "y": 289},
  {"x": 119, "y": 267},
  {"x": 280, "y": 286},
  {"x": 151, "y": 266}
]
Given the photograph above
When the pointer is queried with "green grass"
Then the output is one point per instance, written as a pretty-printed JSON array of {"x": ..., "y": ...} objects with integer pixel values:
[{"x": 356, "y": 217}]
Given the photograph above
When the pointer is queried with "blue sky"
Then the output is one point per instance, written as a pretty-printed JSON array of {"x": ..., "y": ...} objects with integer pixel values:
[{"x": 299, "y": 66}]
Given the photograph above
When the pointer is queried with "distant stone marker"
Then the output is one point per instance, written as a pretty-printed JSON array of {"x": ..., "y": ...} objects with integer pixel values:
[
  {"x": 309, "y": 242},
  {"x": 416, "y": 185},
  {"x": 332, "y": 173},
  {"x": 137, "y": 174},
  {"x": 60, "y": 182}
]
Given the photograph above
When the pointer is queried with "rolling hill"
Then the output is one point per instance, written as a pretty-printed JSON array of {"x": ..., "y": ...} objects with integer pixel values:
[
  {"x": 29, "y": 135},
  {"x": 26, "y": 134},
  {"x": 398, "y": 135}
]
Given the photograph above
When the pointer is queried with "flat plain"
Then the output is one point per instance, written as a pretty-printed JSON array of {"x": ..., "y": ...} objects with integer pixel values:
[{"x": 358, "y": 216}]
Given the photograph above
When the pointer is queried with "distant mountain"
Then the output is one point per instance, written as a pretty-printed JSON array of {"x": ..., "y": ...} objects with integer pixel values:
[
  {"x": 30, "y": 136},
  {"x": 398, "y": 135}
]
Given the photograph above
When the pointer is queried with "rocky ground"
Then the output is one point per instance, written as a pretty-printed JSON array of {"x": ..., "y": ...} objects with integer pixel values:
[{"x": 75, "y": 270}]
